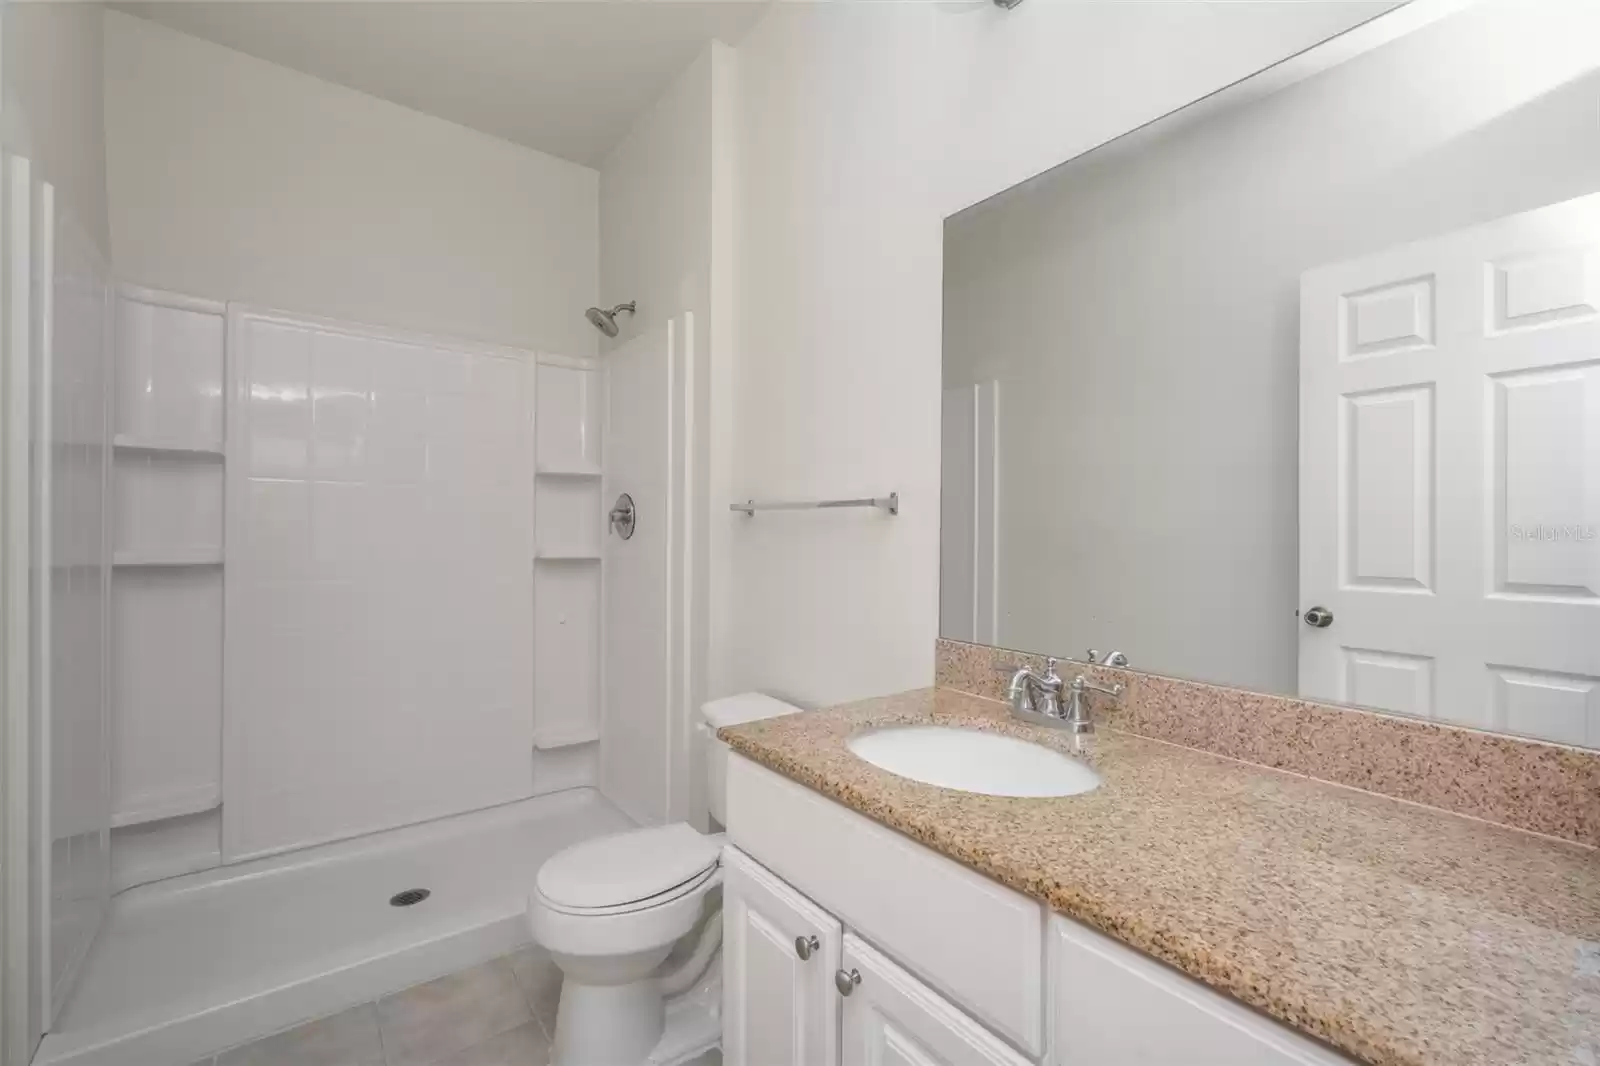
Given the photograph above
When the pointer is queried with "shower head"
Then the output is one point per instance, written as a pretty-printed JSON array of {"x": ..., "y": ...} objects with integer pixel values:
[{"x": 606, "y": 321}]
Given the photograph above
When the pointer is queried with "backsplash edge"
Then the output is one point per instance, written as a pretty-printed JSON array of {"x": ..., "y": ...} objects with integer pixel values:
[{"x": 1525, "y": 784}]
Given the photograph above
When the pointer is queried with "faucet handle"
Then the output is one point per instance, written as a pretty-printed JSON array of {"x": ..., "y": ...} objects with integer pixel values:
[
  {"x": 1082, "y": 683},
  {"x": 1115, "y": 658}
]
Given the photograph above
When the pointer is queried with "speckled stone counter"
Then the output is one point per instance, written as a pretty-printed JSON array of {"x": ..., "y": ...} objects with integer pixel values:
[{"x": 1398, "y": 933}]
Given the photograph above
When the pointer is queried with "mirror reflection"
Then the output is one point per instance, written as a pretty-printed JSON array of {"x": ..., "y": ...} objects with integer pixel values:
[{"x": 1298, "y": 389}]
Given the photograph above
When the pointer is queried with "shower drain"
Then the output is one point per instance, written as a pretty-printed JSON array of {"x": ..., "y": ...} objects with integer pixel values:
[{"x": 409, "y": 897}]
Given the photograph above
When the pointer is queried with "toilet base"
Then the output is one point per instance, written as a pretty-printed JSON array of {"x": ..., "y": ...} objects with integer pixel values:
[{"x": 606, "y": 1025}]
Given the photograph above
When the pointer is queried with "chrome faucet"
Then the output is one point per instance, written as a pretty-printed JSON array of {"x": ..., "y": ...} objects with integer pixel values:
[{"x": 1036, "y": 698}]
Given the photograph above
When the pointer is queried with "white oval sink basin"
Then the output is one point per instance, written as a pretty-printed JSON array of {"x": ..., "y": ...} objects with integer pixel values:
[{"x": 972, "y": 760}]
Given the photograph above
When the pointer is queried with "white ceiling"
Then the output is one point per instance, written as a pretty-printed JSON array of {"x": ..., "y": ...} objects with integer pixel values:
[{"x": 566, "y": 77}]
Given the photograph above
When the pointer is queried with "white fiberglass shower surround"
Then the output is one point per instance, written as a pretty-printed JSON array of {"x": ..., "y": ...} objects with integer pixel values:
[
  {"x": 358, "y": 587},
  {"x": 322, "y": 610}
]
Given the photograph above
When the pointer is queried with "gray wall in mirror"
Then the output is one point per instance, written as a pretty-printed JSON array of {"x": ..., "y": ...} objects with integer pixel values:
[{"x": 1131, "y": 324}]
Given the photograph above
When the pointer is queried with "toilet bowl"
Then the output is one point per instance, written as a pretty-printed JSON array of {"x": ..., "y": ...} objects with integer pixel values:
[{"x": 610, "y": 910}]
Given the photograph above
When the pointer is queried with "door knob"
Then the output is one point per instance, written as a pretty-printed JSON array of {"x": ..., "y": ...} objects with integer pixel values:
[
  {"x": 804, "y": 946},
  {"x": 846, "y": 982},
  {"x": 1319, "y": 618}
]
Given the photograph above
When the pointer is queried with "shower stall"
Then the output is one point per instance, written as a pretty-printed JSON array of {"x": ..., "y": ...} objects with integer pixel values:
[
  {"x": 329, "y": 640},
  {"x": 357, "y": 603}
]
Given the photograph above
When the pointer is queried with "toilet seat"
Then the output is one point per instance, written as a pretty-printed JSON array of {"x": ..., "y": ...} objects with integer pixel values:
[
  {"x": 626, "y": 895},
  {"x": 661, "y": 899},
  {"x": 626, "y": 872}
]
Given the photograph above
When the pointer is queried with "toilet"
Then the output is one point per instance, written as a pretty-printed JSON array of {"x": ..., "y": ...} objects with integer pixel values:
[{"x": 610, "y": 910}]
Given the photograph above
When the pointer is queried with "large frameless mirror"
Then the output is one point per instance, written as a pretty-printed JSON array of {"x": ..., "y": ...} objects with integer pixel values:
[{"x": 1298, "y": 389}]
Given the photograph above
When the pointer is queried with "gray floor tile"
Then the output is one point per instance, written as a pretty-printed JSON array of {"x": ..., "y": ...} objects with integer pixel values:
[
  {"x": 706, "y": 1058},
  {"x": 523, "y": 1046},
  {"x": 346, "y": 1039},
  {"x": 424, "y": 1024},
  {"x": 540, "y": 979}
]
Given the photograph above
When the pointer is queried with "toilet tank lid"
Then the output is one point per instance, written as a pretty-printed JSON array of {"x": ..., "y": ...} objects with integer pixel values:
[{"x": 745, "y": 707}]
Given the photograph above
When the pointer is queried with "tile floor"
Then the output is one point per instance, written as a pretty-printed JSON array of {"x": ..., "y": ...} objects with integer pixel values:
[{"x": 499, "y": 1014}]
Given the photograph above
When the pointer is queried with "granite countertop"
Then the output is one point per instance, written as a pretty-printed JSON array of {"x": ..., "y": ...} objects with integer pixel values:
[{"x": 1398, "y": 933}]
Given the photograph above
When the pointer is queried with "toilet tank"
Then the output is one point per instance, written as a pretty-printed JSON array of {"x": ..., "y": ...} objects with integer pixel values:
[{"x": 714, "y": 715}]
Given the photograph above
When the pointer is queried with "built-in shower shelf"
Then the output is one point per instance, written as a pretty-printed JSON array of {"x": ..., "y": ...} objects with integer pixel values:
[
  {"x": 176, "y": 449},
  {"x": 550, "y": 739},
  {"x": 168, "y": 805},
  {"x": 567, "y": 555},
  {"x": 201, "y": 556},
  {"x": 568, "y": 471}
]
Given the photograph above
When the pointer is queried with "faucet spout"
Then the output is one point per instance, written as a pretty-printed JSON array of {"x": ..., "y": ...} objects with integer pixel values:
[
  {"x": 1036, "y": 697},
  {"x": 1020, "y": 692}
]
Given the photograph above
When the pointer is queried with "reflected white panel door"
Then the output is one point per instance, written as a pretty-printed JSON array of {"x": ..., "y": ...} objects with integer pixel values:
[
  {"x": 1450, "y": 476},
  {"x": 780, "y": 954},
  {"x": 643, "y": 378},
  {"x": 892, "y": 1019},
  {"x": 969, "y": 505}
]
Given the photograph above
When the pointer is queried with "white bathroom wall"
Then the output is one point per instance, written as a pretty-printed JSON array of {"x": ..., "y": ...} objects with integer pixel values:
[
  {"x": 236, "y": 179},
  {"x": 1182, "y": 446},
  {"x": 659, "y": 229},
  {"x": 860, "y": 127},
  {"x": 1044, "y": 82},
  {"x": 835, "y": 389},
  {"x": 54, "y": 102}
]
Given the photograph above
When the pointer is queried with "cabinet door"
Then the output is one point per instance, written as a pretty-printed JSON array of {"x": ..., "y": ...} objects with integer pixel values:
[
  {"x": 778, "y": 1009},
  {"x": 892, "y": 1019},
  {"x": 1112, "y": 1006}
]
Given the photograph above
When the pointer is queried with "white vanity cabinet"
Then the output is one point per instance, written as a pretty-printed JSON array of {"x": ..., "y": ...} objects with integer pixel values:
[
  {"x": 799, "y": 991},
  {"x": 1113, "y": 1006},
  {"x": 780, "y": 952},
  {"x": 892, "y": 1019},
  {"x": 848, "y": 944}
]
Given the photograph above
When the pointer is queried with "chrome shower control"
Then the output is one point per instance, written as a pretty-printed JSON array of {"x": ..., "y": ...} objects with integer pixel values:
[{"x": 623, "y": 517}]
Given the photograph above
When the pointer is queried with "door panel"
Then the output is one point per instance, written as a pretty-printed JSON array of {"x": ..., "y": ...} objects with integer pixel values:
[
  {"x": 892, "y": 1019},
  {"x": 1544, "y": 425},
  {"x": 1450, "y": 476},
  {"x": 1386, "y": 488},
  {"x": 778, "y": 1009}
]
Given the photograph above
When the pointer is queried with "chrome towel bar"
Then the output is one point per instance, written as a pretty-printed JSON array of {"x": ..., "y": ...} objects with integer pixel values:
[{"x": 890, "y": 503}]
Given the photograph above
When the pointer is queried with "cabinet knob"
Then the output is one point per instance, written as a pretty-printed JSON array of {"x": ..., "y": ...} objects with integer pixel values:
[
  {"x": 804, "y": 946},
  {"x": 846, "y": 982}
]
